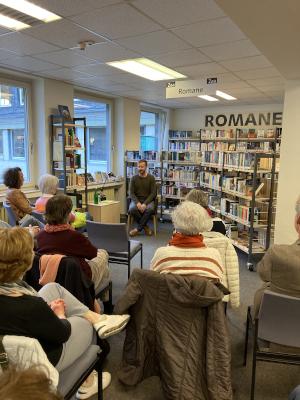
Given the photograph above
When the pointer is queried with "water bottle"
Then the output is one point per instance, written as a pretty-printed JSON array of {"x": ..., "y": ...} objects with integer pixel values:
[{"x": 96, "y": 197}]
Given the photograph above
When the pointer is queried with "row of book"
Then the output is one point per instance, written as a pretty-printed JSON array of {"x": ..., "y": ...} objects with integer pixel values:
[
  {"x": 235, "y": 209},
  {"x": 256, "y": 133},
  {"x": 173, "y": 134},
  {"x": 191, "y": 156},
  {"x": 213, "y": 157},
  {"x": 182, "y": 174},
  {"x": 217, "y": 146},
  {"x": 217, "y": 134},
  {"x": 211, "y": 179},
  {"x": 245, "y": 133},
  {"x": 148, "y": 155},
  {"x": 184, "y": 145},
  {"x": 176, "y": 190},
  {"x": 72, "y": 179},
  {"x": 132, "y": 170}
]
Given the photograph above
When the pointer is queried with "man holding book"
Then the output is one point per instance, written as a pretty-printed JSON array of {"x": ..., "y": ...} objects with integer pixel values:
[{"x": 142, "y": 196}]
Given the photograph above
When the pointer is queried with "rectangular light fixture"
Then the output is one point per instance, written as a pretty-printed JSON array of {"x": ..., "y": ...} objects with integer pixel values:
[
  {"x": 12, "y": 23},
  {"x": 146, "y": 69},
  {"x": 225, "y": 95},
  {"x": 28, "y": 8},
  {"x": 208, "y": 98}
]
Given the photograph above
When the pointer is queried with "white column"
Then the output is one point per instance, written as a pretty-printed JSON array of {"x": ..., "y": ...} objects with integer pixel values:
[{"x": 289, "y": 176}]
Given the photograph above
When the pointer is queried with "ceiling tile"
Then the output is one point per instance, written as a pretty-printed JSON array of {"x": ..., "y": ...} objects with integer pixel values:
[
  {"x": 65, "y": 74},
  {"x": 28, "y": 63},
  {"x": 245, "y": 63},
  {"x": 62, "y": 33},
  {"x": 171, "y": 13},
  {"x": 279, "y": 81},
  {"x": 230, "y": 50},
  {"x": 98, "y": 70},
  {"x": 24, "y": 45},
  {"x": 105, "y": 52},
  {"x": 117, "y": 21},
  {"x": 65, "y": 58},
  {"x": 68, "y": 8},
  {"x": 258, "y": 73},
  {"x": 154, "y": 43},
  {"x": 210, "y": 32},
  {"x": 4, "y": 54},
  {"x": 181, "y": 58},
  {"x": 201, "y": 70}
]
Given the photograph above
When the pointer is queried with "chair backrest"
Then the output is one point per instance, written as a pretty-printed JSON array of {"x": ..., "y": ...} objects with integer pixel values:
[
  {"x": 39, "y": 216},
  {"x": 24, "y": 352},
  {"x": 10, "y": 214},
  {"x": 111, "y": 237},
  {"x": 279, "y": 319}
]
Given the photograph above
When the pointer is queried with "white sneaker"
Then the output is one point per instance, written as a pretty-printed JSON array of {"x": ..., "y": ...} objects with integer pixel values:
[
  {"x": 85, "y": 392},
  {"x": 111, "y": 324}
]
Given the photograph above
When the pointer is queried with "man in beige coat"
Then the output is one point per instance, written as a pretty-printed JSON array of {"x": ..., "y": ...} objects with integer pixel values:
[{"x": 280, "y": 267}]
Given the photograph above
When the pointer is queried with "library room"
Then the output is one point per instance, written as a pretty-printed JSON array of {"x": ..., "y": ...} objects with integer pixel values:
[{"x": 149, "y": 203}]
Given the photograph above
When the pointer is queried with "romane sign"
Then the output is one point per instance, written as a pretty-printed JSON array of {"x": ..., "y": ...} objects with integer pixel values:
[{"x": 253, "y": 119}]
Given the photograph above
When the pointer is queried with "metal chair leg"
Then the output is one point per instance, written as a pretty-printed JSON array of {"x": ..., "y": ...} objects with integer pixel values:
[
  {"x": 246, "y": 337},
  {"x": 142, "y": 257},
  {"x": 254, "y": 363},
  {"x": 128, "y": 267}
]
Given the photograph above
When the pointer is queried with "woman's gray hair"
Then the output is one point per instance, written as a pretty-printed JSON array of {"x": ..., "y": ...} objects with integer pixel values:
[
  {"x": 297, "y": 205},
  {"x": 191, "y": 219},
  {"x": 48, "y": 184},
  {"x": 197, "y": 196}
]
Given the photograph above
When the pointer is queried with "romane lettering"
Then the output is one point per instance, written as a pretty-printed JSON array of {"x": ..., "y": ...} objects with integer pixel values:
[{"x": 254, "y": 119}]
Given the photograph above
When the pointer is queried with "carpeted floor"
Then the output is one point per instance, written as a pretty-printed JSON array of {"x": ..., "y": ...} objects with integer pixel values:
[{"x": 274, "y": 382}]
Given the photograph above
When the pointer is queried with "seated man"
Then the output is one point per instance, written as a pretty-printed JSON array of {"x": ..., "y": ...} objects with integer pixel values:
[
  {"x": 280, "y": 267},
  {"x": 142, "y": 195}
]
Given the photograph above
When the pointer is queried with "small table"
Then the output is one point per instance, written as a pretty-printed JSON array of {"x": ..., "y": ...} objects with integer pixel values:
[{"x": 107, "y": 211}]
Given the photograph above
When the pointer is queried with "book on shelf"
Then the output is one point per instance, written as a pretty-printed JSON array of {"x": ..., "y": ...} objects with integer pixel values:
[
  {"x": 181, "y": 134},
  {"x": 182, "y": 173}
]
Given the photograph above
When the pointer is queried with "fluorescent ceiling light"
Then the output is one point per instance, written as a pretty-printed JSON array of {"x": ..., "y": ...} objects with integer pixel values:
[
  {"x": 12, "y": 23},
  {"x": 146, "y": 69},
  {"x": 225, "y": 95},
  {"x": 28, "y": 8},
  {"x": 208, "y": 98}
]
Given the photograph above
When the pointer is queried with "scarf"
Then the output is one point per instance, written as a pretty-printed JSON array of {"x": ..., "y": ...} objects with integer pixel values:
[
  {"x": 15, "y": 289},
  {"x": 57, "y": 228},
  {"x": 181, "y": 240}
]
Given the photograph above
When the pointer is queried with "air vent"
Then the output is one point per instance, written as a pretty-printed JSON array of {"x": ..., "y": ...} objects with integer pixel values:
[{"x": 26, "y": 19}]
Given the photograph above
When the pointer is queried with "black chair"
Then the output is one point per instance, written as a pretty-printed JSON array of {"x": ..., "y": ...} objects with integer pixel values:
[
  {"x": 39, "y": 216},
  {"x": 114, "y": 239},
  {"x": 10, "y": 214},
  {"x": 278, "y": 322}
]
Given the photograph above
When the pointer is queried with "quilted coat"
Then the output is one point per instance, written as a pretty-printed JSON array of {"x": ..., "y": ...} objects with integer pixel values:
[
  {"x": 178, "y": 332},
  {"x": 231, "y": 276}
]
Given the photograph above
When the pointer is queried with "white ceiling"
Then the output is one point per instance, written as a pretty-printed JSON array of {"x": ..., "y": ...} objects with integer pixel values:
[{"x": 194, "y": 37}]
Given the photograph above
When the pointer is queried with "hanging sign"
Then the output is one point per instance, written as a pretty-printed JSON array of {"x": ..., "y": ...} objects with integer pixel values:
[{"x": 194, "y": 88}]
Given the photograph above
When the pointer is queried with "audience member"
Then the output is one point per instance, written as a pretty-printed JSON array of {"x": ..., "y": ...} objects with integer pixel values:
[
  {"x": 142, "y": 194},
  {"x": 58, "y": 237},
  {"x": 13, "y": 178},
  {"x": 187, "y": 253},
  {"x": 280, "y": 267},
  {"x": 200, "y": 197},
  {"x": 48, "y": 185},
  {"x": 28, "y": 384},
  {"x": 62, "y": 325}
]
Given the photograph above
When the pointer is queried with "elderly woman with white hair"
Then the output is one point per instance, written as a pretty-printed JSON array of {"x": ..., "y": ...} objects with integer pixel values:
[
  {"x": 187, "y": 253},
  {"x": 280, "y": 267},
  {"x": 48, "y": 185}
]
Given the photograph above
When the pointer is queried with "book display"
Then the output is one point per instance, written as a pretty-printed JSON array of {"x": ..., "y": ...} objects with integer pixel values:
[
  {"x": 239, "y": 171},
  {"x": 68, "y": 153},
  {"x": 180, "y": 168}
]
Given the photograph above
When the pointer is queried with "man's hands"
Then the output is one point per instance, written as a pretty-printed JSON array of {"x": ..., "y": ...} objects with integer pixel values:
[
  {"x": 58, "y": 306},
  {"x": 141, "y": 207}
]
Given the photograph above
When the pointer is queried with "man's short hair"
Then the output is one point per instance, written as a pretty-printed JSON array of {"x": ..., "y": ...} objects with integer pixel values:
[{"x": 143, "y": 161}]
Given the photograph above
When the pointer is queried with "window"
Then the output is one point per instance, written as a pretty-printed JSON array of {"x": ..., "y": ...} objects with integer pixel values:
[
  {"x": 14, "y": 141},
  {"x": 149, "y": 122},
  {"x": 98, "y": 133}
]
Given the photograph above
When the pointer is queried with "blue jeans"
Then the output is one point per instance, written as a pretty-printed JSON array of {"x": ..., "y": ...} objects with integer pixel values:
[{"x": 141, "y": 218}]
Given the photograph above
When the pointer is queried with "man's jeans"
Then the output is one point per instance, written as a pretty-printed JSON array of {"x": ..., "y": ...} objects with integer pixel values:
[{"x": 141, "y": 218}]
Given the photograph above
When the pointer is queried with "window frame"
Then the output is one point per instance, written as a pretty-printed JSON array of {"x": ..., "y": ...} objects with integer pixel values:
[
  {"x": 157, "y": 113},
  {"x": 109, "y": 111},
  {"x": 27, "y": 127}
]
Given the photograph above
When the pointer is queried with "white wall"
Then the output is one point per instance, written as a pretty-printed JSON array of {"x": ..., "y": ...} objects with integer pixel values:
[
  {"x": 193, "y": 119},
  {"x": 289, "y": 180}
]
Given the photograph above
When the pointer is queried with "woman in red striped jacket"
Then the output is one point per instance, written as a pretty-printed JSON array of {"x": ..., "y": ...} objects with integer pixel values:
[{"x": 187, "y": 254}]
